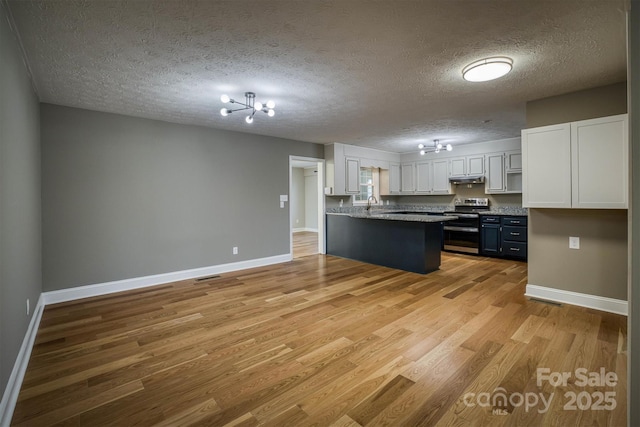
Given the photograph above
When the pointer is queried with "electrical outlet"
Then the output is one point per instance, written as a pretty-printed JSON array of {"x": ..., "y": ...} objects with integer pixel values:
[
  {"x": 235, "y": 250},
  {"x": 574, "y": 243},
  {"x": 28, "y": 311}
]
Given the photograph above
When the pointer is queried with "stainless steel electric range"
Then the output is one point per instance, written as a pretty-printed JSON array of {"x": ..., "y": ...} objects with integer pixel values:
[{"x": 463, "y": 233}]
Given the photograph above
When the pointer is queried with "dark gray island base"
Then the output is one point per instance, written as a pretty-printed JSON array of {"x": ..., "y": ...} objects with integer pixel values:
[{"x": 405, "y": 245}]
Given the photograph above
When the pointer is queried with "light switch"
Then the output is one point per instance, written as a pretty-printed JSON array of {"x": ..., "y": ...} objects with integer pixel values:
[
  {"x": 282, "y": 204},
  {"x": 574, "y": 243},
  {"x": 284, "y": 198}
]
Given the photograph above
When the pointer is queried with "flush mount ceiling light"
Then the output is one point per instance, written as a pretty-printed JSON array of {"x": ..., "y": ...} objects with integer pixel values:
[
  {"x": 437, "y": 146},
  {"x": 251, "y": 104},
  {"x": 487, "y": 69}
]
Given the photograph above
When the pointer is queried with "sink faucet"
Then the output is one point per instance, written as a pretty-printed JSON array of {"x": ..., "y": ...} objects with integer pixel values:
[{"x": 369, "y": 201}]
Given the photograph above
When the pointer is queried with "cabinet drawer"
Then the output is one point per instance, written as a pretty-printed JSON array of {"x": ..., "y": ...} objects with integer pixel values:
[
  {"x": 515, "y": 249},
  {"x": 515, "y": 220},
  {"x": 487, "y": 219},
  {"x": 514, "y": 234}
]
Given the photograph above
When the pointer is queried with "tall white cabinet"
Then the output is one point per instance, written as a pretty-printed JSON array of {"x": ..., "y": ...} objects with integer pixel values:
[{"x": 582, "y": 164}]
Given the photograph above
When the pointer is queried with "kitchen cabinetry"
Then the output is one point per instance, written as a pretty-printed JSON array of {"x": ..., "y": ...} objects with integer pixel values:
[
  {"x": 513, "y": 237},
  {"x": 503, "y": 236},
  {"x": 394, "y": 178},
  {"x": 425, "y": 177},
  {"x": 504, "y": 172},
  {"x": 466, "y": 166},
  {"x": 581, "y": 164},
  {"x": 441, "y": 184},
  {"x": 495, "y": 173},
  {"x": 352, "y": 175},
  {"x": 490, "y": 235},
  {"x": 407, "y": 182},
  {"x": 342, "y": 172}
]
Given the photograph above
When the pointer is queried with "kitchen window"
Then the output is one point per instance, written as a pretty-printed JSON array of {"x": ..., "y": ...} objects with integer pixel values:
[{"x": 369, "y": 186}]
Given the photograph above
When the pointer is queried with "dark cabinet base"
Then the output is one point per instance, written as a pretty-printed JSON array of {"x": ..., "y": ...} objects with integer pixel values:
[
  {"x": 405, "y": 245},
  {"x": 504, "y": 237}
]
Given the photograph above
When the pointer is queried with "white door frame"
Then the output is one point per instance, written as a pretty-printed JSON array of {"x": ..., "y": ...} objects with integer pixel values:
[{"x": 321, "y": 233}]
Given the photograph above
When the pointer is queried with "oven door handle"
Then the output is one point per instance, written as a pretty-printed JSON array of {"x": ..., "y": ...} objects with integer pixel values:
[
  {"x": 463, "y": 215},
  {"x": 465, "y": 229}
]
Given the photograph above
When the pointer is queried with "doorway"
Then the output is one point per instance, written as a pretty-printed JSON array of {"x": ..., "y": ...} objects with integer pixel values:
[{"x": 306, "y": 206}]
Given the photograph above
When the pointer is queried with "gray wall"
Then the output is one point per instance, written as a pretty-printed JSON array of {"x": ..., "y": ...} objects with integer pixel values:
[
  {"x": 297, "y": 198},
  {"x": 600, "y": 266},
  {"x": 311, "y": 198},
  {"x": 634, "y": 283},
  {"x": 126, "y": 197},
  {"x": 20, "y": 247},
  {"x": 582, "y": 105}
]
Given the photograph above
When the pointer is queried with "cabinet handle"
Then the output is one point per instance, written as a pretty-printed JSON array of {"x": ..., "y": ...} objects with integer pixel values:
[
  {"x": 515, "y": 234},
  {"x": 515, "y": 249},
  {"x": 515, "y": 222}
]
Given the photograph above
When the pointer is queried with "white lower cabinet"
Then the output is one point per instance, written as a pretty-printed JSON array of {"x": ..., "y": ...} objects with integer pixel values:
[{"x": 581, "y": 164}]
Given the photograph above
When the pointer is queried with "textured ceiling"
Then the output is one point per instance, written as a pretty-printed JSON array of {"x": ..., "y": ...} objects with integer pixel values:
[{"x": 383, "y": 74}]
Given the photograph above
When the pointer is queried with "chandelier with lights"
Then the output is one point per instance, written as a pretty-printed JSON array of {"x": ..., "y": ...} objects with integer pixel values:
[
  {"x": 249, "y": 103},
  {"x": 437, "y": 146}
]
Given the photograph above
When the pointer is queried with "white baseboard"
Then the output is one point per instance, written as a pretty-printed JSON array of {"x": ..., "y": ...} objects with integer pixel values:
[
  {"x": 610, "y": 305},
  {"x": 70, "y": 294},
  {"x": 298, "y": 230},
  {"x": 11, "y": 391}
]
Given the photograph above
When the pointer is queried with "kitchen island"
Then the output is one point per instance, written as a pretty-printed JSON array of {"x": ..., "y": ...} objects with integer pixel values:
[{"x": 409, "y": 241}]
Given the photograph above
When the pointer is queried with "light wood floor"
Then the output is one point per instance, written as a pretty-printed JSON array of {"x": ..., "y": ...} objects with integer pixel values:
[
  {"x": 321, "y": 341},
  {"x": 305, "y": 243}
]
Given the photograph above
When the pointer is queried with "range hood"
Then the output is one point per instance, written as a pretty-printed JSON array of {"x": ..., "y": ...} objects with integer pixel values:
[{"x": 470, "y": 179}]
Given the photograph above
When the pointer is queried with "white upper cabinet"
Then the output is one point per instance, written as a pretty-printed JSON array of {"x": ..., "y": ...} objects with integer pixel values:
[
  {"x": 458, "y": 166},
  {"x": 352, "y": 176},
  {"x": 600, "y": 163},
  {"x": 407, "y": 185},
  {"x": 423, "y": 177},
  {"x": 513, "y": 160},
  {"x": 581, "y": 164},
  {"x": 394, "y": 178},
  {"x": 465, "y": 166},
  {"x": 475, "y": 165},
  {"x": 440, "y": 181},
  {"x": 504, "y": 172},
  {"x": 546, "y": 167},
  {"x": 494, "y": 182}
]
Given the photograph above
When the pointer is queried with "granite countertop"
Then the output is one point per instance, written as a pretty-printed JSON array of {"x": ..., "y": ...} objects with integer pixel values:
[
  {"x": 507, "y": 211},
  {"x": 392, "y": 214}
]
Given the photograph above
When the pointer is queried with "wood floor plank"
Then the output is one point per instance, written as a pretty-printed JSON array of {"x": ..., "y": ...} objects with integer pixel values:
[{"x": 319, "y": 341}]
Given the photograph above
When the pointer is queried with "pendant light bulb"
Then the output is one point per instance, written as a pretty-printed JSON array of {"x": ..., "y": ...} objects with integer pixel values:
[
  {"x": 258, "y": 106},
  {"x": 421, "y": 146},
  {"x": 225, "y": 99},
  {"x": 249, "y": 119},
  {"x": 271, "y": 104},
  {"x": 438, "y": 146},
  {"x": 224, "y": 112},
  {"x": 422, "y": 152},
  {"x": 271, "y": 113},
  {"x": 449, "y": 147}
]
